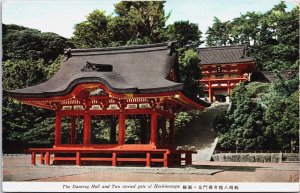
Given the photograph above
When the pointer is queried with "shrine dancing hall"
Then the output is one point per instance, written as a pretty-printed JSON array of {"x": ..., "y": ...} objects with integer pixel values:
[{"x": 113, "y": 86}]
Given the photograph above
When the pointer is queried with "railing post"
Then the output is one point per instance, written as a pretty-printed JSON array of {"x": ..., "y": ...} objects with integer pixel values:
[
  {"x": 47, "y": 158},
  {"x": 78, "y": 158},
  {"x": 166, "y": 160},
  {"x": 148, "y": 160},
  {"x": 114, "y": 159},
  {"x": 33, "y": 155},
  {"x": 42, "y": 158},
  {"x": 188, "y": 158}
]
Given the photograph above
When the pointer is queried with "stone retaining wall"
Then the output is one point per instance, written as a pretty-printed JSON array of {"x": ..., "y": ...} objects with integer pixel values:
[{"x": 253, "y": 157}]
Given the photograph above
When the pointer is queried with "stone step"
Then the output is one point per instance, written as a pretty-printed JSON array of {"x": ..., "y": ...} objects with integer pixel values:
[{"x": 290, "y": 161}]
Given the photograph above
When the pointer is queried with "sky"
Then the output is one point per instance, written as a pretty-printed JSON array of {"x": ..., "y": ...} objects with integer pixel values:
[{"x": 60, "y": 16}]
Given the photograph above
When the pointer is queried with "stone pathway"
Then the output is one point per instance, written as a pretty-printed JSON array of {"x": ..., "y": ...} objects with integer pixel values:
[{"x": 18, "y": 168}]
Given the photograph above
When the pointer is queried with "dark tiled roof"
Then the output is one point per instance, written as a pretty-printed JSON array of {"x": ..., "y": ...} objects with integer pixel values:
[
  {"x": 135, "y": 69},
  {"x": 270, "y": 76},
  {"x": 223, "y": 54},
  {"x": 127, "y": 69}
]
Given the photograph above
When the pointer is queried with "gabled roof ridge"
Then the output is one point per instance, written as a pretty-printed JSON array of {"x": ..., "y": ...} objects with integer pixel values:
[
  {"x": 120, "y": 48},
  {"x": 236, "y": 46}
]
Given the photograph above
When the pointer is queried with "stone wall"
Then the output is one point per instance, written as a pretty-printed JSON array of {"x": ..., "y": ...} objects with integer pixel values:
[{"x": 253, "y": 157}]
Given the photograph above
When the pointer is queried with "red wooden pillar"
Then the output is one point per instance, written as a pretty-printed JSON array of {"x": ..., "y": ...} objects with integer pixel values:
[
  {"x": 47, "y": 157},
  {"x": 228, "y": 88},
  {"x": 154, "y": 128},
  {"x": 121, "y": 139},
  {"x": 73, "y": 130},
  {"x": 172, "y": 133},
  {"x": 33, "y": 156},
  {"x": 229, "y": 69},
  {"x": 210, "y": 99},
  {"x": 188, "y": 158},
  {"x": 112, "y": 134},
  {"x": 42, "y": 161},
  {"x": 57, "y": 128},
  {"x": 86, "y": 128},
  {"x": 164, "y": 132}
]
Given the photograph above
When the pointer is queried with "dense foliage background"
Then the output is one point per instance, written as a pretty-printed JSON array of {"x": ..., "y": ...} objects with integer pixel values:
[{"x": 262, "y": 115}]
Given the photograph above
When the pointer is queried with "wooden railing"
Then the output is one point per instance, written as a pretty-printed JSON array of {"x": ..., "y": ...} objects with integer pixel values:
[{"x": 115, "y": 156}]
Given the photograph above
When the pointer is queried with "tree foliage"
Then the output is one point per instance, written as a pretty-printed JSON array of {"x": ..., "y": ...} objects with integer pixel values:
[
  {"x": 190, "y": 72},
  {"x": 23, "y": 43},
  {"x": 29, "y": 58},
  {"x": 186, "y": 35},
  {"x": 272, "y": 37},
  {"x": 24, "y": 124},
  {"x": 134, "y": 22},
  {"x": 262, "y": 116}
]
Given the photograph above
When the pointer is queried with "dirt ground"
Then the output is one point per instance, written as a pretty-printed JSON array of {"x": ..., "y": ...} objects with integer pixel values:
[{"x": 18, "y": 168}]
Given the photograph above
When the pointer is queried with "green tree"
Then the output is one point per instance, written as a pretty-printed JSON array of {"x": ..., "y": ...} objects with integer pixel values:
[
  {"x": 262, "y": 116},
  {"x": 282, "y": 113},
  {"x": 29, "y": 44},
  {"x": 218, "y": 34},
  {"x": 245, "y": 121},
  {"x": 272, "y": 37},
  {"x": 190, "y": 72},
  {"x": 146, "y": 19},
  {"x": 94, "y": 32},
  {"x": 245, "y": 29},
  {"x": 134, "y": 22},
  {"x": 18, "y": 119},
  {"x": 186, "y": 35}
]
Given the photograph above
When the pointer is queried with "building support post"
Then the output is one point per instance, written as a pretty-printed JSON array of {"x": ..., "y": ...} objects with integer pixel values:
[
  {"x": 73, "y": 130},
  {"x": 172, "y": 133},
  {"x": 86, "y": 128},
  {"x": 153, "y": 128},
  {"x": 57, "y": 128},
  {"x": 210, "y": 98},
  {"x": 144, "y": 129},
  {"x": 122, "y": 119},
  {"x": 164, "y": 132},
  {"x": 228, "y": 88},
  {"x": 112, "y": 134}
]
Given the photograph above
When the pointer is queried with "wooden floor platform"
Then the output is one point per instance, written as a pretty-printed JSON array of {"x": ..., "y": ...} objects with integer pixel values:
[{"x": 115, "y": 157}]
